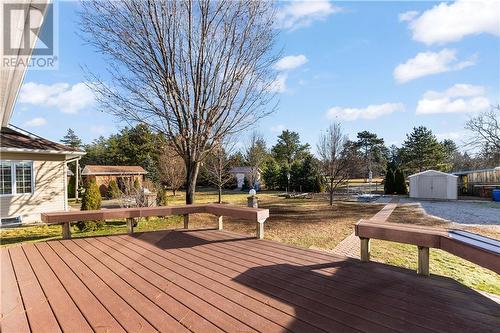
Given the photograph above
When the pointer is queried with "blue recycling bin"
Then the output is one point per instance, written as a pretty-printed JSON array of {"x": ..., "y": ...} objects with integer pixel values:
[{"x": 496, "y": 195}]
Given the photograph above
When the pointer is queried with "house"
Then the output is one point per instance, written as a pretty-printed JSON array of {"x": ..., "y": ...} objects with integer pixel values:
[
  {"x": 33, "y": 175},
  {"x": 478, "y": 182},
  {"x": 249, "y": 173},
  {"x": 124, "y": 175},
  {"x": 433, "y": 184}
]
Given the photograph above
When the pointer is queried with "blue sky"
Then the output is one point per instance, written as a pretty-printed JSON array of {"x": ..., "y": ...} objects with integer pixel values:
[{"x": 379, "y": 66}]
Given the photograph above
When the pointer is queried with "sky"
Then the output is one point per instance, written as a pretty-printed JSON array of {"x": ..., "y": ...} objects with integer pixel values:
[{"x": 385, "y": 67}]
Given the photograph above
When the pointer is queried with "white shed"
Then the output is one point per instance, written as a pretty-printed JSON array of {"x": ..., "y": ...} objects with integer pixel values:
[{"x": 433, "y": 184}]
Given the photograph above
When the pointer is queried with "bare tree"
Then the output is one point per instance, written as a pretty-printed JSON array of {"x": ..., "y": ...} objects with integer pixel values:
[
  {"x": 333, "y": 156},
  {"x": 255, "y": 155},
  {"x": 196, "y": 71},
  {"x": 485, "y": 129},
  {"x": 218, "y": 165},
  {"x": 171, "y": 168}
]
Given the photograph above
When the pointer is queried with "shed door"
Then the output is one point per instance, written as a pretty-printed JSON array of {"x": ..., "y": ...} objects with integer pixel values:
[
  {"x": 439, "y": 187},
  {"x": 432, "y": 187}
]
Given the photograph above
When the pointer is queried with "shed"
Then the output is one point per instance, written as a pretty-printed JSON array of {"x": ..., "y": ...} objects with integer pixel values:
[
  {"x": 124, "y": 175},
  {"x": 432, "y": 184}
]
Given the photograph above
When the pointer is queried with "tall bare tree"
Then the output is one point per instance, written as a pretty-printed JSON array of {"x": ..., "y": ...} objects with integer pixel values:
[
  {"x": 196, "y": 71},
  {"x": 218, "y": 165},
  {"x": 485, "y": 129},
  {"x": 255, "y": 155},
  {"x": 332, "y": 150},
  {"x": 171, "y": 168}
]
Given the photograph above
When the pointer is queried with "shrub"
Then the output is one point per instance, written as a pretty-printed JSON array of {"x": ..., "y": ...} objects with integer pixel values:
[
  {"x": 161, "y": 197},
  {"x": 399, "y": 182},
  {"x": 71, "y": 187},
  {"x": 246, "y": 184},
  {"x": 137, "y": 184},
  {"x": 113, "y": 192},
  {"x": 91, "y": 200}
]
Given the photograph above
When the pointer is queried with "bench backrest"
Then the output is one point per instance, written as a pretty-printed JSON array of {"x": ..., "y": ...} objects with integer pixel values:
[
  {"x": 481, "y": 250},
  {"x": 246, "y": 213}
]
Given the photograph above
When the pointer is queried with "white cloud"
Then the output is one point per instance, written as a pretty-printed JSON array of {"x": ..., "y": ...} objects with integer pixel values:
[
  {"x": 279, "y": 84},
  {"x": 429, "y": 63},
  {"x": 67, "y": 98},
  {"x": 450, "y": 135},
  {"x": 450, "y": 22},
  {"x": 369, "y": 112},
  {"x": 407, "y": 16},
  {"x": 35, "y": 122},
  {"x": 460, "y": 98},
  {"x": 290, "y": 62},
  {"x": 277, "y": 128},
  {"x": 298, "y": 14}
]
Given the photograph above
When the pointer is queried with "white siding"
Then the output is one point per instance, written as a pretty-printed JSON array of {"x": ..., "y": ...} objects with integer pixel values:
[{"x": 49, "y": 190}]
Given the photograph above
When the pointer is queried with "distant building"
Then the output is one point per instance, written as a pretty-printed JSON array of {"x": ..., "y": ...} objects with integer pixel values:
[
  {"x": 478, "y": 182},
  {"x": 248, "y": 173},
  {"x": 124, "y": 175}
]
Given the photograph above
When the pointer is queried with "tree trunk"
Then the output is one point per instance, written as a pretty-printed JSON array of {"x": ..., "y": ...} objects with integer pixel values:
[
  {"x": 220, "y": 194},
  {"x": 192, "y": 169},
  {"x": 173, "y": 191},
  {"x": 331, "y": 193}
]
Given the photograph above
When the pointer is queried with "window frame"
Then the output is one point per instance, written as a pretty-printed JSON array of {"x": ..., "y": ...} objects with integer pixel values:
[{"x": 13, "y": 177}]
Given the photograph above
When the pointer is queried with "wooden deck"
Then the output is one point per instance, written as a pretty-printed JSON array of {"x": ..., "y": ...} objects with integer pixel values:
[{"x": 212, "y": 281}]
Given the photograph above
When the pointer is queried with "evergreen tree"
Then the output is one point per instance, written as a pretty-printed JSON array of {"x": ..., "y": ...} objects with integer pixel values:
[
  {"x": 71, "y": 139},
  {"x": 113, "y": 192},
  {"x": 271, "y": 174},
  {"x": 288, "y": 148},
  {"x": 372, "y": 148},
  {"x": 389, "y": 181},
  {"x": 399, "y": 182},
  {"x": 421, "y": 151},
  {"x": 91, "y": 200}
]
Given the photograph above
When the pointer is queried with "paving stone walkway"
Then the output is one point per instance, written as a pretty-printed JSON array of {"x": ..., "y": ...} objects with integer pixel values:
[{"x": 349, "y": 247}]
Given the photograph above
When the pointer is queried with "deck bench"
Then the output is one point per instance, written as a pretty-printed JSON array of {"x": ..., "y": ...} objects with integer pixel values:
[
  {"x": 478, "y": 249},
  {"x": 258, "y": 215}
]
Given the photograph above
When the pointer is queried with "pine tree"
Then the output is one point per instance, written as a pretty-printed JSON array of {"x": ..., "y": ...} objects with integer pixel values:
[
  {"x": 271, "y": 174},
  {"x": 71, "y": 139},
  {"x": 389, "y": 181},
  {"x": 113, "y": 192},
  {"x": 421, "y": 151},
  {"x": 399, "y": 182}
]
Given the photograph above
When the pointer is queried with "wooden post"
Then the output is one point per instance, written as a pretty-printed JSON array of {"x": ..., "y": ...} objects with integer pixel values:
[
  {"x": 423, "y": 261},
  {"x": 76, "y": 179},
  {"x": 66, "y": 230},
  {"x": 260, "y": 230},
  {"x": 130, "y": 225},
  {"x": 365, "y": 249},
  {"x": 220, "y": 223},
  {"x": 186, "y": 221}
]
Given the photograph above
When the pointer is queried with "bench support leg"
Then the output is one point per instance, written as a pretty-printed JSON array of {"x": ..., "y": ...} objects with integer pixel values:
[
  {"x": 130, "y": 225},
  {"x": 260, "y": 230},
  {"x": 66, "y": 230},
  {"x": 365, "y": 249},
  {"x": 186, "y": 221},
  {"x": 220, "y": 223},
  {"x": 423, "y": 261}
]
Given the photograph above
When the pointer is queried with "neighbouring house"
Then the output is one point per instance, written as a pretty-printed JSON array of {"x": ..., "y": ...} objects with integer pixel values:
[
  {"x": 124, "y": 175},
  {"x": 33, "y": 175},
  {"x": 248, "y": 173},
  {"x": 478, "y": 182},
  {"x": 433, "y": 184}
]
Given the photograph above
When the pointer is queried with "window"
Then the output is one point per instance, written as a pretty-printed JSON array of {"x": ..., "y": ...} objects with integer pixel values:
[
  {"x": 16, "y": 177},
  {"x": 5, "y": 177}
]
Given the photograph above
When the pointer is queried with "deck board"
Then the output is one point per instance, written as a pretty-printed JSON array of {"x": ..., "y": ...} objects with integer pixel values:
[{"x": 214, "y": 281}]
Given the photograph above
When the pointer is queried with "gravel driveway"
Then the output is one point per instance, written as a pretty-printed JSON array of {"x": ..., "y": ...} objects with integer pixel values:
[{"x": 485, "y": 213}]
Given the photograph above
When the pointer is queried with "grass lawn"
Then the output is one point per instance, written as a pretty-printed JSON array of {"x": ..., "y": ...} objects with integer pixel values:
[{"x": 309, "y": 223}]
